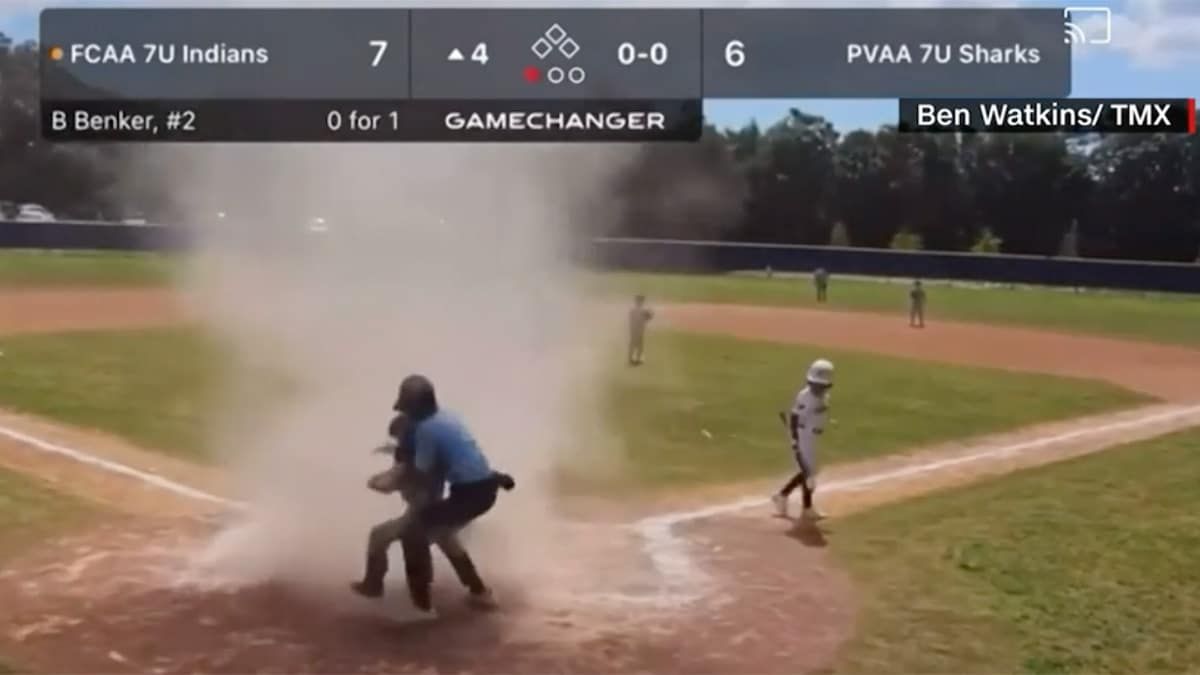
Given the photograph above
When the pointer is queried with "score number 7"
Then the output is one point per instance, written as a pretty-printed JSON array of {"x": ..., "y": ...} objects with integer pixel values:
[{"x": 380, "y": 47}]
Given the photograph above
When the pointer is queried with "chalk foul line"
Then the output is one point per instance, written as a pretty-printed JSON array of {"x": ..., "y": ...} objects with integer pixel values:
[
  {"x": 681, "y": 580},
  {"x": 669, "y": 554},
  {"x": 150, "y": 478}
]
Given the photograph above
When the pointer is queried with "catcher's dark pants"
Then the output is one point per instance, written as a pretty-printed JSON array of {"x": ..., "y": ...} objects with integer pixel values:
[{"x": 439, "y": 522}]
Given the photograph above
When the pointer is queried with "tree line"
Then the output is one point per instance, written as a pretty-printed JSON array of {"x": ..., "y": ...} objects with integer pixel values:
[
  {"x": 800, "y": 181},
  {"x": 71, "y": 179},
  {"x": 796, "y": 181}
]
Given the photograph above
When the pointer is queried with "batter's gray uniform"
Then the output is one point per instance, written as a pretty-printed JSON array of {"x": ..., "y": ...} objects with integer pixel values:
[{"x": 806, "y": 421}]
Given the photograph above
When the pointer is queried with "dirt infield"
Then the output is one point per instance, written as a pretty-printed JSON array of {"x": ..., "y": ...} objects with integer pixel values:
[
  {"x": 116, "y": 600},
  {"x": 61, "y": 310}
]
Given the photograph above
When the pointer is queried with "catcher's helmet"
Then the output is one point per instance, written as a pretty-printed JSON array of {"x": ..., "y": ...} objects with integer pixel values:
[{"x": 416, "y": 398}]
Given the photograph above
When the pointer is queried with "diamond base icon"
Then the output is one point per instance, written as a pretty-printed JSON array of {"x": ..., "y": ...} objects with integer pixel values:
[
  {"x": 555, "y": 34},
  {"x": 541, "y": 48},
  {"x": 569, "y": 48}
]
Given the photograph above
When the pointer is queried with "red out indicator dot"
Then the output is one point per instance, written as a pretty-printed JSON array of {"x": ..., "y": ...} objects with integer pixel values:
[{"x": 532, "y": 74}]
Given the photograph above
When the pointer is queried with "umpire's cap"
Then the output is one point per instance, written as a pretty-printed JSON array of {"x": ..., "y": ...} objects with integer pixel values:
[{"x": 416, "y": 398}]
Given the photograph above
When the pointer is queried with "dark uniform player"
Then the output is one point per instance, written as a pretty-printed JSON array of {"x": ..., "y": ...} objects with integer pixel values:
[
  {"x": 916, "y": 305},
  {"x": 821, "y": 281},
  {"x": 639, "y": 316}
]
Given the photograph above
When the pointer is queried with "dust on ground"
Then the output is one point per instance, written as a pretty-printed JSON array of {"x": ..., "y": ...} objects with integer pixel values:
[{"x": 117, "y": 599}]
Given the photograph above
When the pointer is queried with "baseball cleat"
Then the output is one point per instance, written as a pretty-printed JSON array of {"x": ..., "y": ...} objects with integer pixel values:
[
  {"x": 813, "y": 515},
  {"x": 426, "y": 613},
  {"x": 367, "y": 590},
  {"x": 781, "y": 505},
  {"x": 485, "y": 601}
]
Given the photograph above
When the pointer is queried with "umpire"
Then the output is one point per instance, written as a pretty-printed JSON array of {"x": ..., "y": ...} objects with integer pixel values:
[{"x": 444, "y": 447}]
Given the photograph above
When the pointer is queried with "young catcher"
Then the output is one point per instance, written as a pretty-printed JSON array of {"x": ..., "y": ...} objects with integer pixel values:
[
  {"x": 417, "y": 490},
  {"x": 805, "y": 423}
]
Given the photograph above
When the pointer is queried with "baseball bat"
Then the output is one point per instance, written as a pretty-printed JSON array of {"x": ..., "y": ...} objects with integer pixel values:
[{"x": 787, "y": 425}]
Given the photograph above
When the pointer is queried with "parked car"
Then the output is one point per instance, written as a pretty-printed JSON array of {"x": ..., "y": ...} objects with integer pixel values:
[{"x": 34, "y": 213}]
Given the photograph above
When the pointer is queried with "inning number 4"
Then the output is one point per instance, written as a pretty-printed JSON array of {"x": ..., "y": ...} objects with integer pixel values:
[
  {"x": 480, "y": 55},
  {"x": 380, "y": 47}
]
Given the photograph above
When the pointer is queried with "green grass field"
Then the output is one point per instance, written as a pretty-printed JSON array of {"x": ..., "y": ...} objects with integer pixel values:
[
  {"x": 154, "y": 387},
  {"x": 1089, "y": 566},
  {"x": 25, "y": 269},
  {"x": 158, "y": 388},
  {"x": 734, "y": 388},
  {"x": 1172, "y": 319}
]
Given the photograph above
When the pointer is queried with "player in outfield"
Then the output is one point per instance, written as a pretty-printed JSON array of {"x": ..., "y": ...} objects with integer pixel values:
[
  {"x": 639, "y": 316},
  {"x": 916, "y": 305}
]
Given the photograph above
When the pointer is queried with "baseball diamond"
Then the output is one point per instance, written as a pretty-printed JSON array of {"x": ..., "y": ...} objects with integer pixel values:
[{"x": 683, "y": 565}]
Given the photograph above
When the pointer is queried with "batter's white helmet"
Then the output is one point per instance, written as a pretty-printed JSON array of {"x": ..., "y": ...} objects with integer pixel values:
[{"x": 821, "y": 372}]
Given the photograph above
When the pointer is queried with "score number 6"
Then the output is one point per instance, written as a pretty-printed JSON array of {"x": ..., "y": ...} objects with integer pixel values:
[{"x": 735, "y": 53}]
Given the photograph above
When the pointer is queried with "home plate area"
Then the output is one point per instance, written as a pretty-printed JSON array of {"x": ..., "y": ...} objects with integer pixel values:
[{"x": 124, "y": 598}]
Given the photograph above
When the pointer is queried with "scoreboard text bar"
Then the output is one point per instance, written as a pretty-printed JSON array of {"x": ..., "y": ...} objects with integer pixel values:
[{"x": 541, "y": 54}]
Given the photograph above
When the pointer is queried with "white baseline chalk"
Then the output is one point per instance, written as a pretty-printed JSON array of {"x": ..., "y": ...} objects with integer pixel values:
[
  {"x": 680, "y": 579},
  {"x": 669, "y": 554}
]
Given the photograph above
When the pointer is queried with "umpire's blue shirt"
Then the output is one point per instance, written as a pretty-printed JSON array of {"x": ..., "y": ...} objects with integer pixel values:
[{"x": 444, "y": 445}]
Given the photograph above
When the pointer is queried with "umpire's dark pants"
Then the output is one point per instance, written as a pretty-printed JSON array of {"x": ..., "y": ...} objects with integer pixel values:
[{"x": 439, "y": 522}]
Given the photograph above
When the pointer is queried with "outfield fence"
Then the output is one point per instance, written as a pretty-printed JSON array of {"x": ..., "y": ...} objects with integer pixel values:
[
  {"x": 661, "y": 255},
  {"x": 90, "y": 236},
  {"x": 713, "y": 257}
]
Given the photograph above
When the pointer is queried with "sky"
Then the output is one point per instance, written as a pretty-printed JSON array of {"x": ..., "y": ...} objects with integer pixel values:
[{"x": 1154, "y": 52}]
